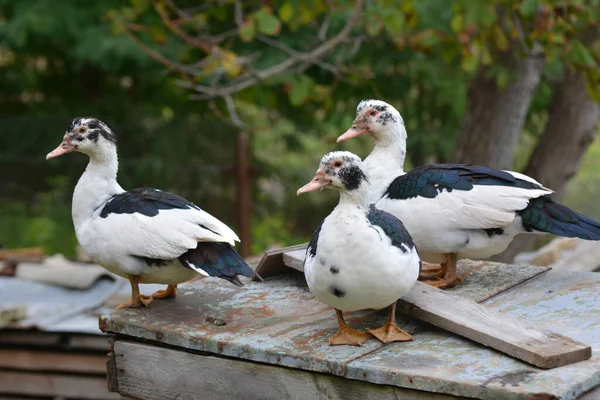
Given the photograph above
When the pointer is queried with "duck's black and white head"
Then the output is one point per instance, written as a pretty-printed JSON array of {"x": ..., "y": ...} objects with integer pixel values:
[
  {"x": 87, "y": 135},
  {"x": 339, "y": 170},
  {"x": 375, "y": 118}
]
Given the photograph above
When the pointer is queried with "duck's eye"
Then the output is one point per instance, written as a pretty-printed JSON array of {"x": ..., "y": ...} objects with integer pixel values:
[
  {"x": 373, "y": 113},
  {"x": 81, "y": 130},
  {"x": 337, "y": 164}
]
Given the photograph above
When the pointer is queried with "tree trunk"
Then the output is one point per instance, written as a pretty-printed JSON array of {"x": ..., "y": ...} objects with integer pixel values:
[
  {"x": 243, "y": 191},
  {"x": 572, "y": 124},
  {"x": 495, "y": 117}
]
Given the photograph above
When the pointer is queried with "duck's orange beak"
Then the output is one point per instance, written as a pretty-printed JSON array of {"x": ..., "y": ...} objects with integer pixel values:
[
  {"x": 318, "y": 182},
  {"x": 356, "y": 130},
  {"x": 65, "y": 147}
]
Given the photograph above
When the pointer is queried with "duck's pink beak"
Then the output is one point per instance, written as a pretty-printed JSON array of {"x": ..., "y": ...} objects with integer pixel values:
[
  {"x": 65, "y": 147},
  {"x": 318, "y": 182},
  {"x": 356, "y": 130}
]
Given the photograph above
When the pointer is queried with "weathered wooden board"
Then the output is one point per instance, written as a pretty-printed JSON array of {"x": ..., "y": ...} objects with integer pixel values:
[
  {"x": 513, "y": 336},
  {"x": 563, "y": 302},
  {"x": 278, "y": 322},
  {"x": 149, "y": 372},
  {"x": 38, "y": 339},
  {"x": 54, "y": 385},
  {"x": 272, "y": 264},
  {"x": 34, "y": 360}
]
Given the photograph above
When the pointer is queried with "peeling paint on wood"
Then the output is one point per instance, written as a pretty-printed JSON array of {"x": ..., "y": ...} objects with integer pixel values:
[{"x": 280, "y": 323}]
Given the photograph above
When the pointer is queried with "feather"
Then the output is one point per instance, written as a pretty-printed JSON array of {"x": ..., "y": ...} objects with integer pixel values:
[
  {"x": 220, "y": 260},
  {"x": 545, "y": 215}
]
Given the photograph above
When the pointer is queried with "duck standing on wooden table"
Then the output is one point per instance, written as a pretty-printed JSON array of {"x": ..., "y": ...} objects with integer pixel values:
[
  {"x": 145, "y": 235},
  {"x": 456, "y": 211},
  {"x": 359, "y": 257}
]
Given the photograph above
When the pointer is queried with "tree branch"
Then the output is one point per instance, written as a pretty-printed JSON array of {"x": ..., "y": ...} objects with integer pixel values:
[
  {"x": 295, "y": 54},
  {"x": 520, "y": 30},
  {"x": 311, "y": 57},
  {"x": 235, "y": 118},
  {"x": 170, "y": 64},
  {"x": 206, "y": 47},
  {"x": 238, "y": 13}
]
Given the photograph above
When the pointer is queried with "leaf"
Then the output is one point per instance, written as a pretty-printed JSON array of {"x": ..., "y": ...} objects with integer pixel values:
[
  {"x": 580, "y": 55},
  {"x": 267, "y": 22},
  {"x": 500, "y": 38},
  {"x": 374, "y": 28},
  {"x": 158, "y": 34},
  {"x": 286, "y": 12},
  {"x": 247, "y": 30},
  {"x": 469, "y": 63},
  {"x": 200, "y": 20},
  {"x": 300, "y": 90},
  {"x": 528, "y": 7},
  {"x": 229, "y": 63},
  {"x": 457, "y": 23},
  {"x": 488, "y": 16}
]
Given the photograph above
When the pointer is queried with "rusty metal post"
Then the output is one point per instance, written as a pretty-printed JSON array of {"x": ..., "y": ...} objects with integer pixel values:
[{"x": 243, "y": 190}]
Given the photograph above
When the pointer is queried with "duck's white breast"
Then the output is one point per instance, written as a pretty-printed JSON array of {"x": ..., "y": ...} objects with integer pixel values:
[{"x": 356, "y": 267}]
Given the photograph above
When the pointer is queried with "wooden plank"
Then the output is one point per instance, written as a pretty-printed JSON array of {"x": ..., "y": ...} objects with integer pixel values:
[
  {"x": 22, "y": 252},
  {"x": 112, "y": 384},
  {"x": 31, "y": 360},
  {"x": 272, "y": 262},
  {"x": 55, "y": 385},
  {"x": 151, "y": 372},
  {"x": 29, "y": 338},
  {"x": 295, "y": 259},
  {"x": 513, "y": 336}
]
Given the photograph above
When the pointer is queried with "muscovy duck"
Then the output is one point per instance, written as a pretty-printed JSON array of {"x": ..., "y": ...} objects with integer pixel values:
[
  {"x": 456, "y": 211},
  {"x": 359, "y": 257},
  {"x": 145, "y": 235}
]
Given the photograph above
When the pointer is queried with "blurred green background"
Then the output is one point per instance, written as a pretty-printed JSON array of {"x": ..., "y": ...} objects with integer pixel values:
[{"x": 132, "y": 63}]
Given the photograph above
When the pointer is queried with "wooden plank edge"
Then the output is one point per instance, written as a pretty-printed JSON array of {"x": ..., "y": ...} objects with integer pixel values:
[
  {"x": 272, "y": 264},
  {"x": 151, "y": 372},
  {"x": 112, "y": 381},
  {"x": 482, "y": 324},
  {"x": 510, "y": 335}
]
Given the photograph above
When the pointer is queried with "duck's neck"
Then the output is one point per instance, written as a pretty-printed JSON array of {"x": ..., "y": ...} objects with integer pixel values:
[
  {"x": 97, "y": 184},
  {"x": 357, "y": 199},
  {"x": 386, "y": 161}
]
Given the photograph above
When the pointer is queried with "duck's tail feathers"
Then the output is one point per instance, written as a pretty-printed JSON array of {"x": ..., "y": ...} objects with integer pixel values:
[
  {"x": 218, "y": 259},
  {"x": 545, "y": 215}
]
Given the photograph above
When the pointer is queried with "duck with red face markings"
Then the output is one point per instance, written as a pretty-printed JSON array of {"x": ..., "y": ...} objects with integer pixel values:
[
  {"x": 456, "y": 211},
  {"x": 145, "y": 235},
  {"x": 359, "y": 257}
]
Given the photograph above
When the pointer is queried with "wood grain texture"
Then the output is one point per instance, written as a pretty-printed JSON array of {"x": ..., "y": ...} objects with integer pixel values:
[
  {"x": 510, "y": 335},
  {"x": 55, "y": 385},
  {"x": 513, "y": 336},
  {"x": 295, "y": 259},
  {"x": 32, "y": 360},
  {"x": 150, "y": 372},
  {"x": 272, "y": 262}
]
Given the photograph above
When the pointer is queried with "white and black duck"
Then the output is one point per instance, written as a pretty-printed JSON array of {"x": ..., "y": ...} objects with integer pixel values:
[
  {"x": 456, "y": 211},
  {"x": 145, "y": 235},
  {"x": 359, "y": 257}
]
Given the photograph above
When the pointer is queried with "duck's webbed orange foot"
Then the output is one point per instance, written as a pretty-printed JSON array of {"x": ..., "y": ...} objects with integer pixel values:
[
  {"x": 169, "y": 293},
  {"x": 139, "y": 302},
  {"x": 431, "y": 271},
  {"x": 390, "y": 333},
  {"x": 443, "y": 283},
  {"x": 348, "y": 336}
]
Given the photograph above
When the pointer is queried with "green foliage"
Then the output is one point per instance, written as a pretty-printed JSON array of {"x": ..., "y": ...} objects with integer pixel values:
[{"x": 61, "y": 59}]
